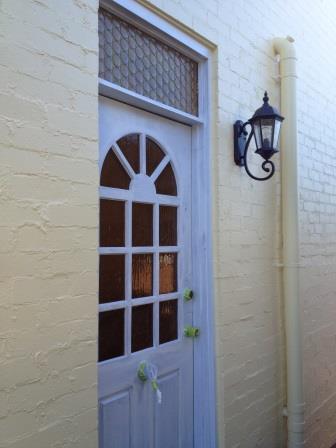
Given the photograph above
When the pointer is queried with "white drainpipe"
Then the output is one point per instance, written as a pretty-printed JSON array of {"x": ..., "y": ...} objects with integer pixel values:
[{"x": 290, "y": 228}]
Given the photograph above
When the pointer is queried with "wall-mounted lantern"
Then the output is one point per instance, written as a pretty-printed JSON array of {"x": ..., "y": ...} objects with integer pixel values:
[{"x": 265, "y": 127}]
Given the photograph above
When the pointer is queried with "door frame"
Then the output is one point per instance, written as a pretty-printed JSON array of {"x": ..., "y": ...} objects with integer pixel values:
[{"x": 201, "y": 163}]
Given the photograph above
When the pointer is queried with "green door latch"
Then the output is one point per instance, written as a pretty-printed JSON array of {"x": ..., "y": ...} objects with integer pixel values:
[
  {"x": 191, "y": 332},
  {"x": 188, "y": 294}
]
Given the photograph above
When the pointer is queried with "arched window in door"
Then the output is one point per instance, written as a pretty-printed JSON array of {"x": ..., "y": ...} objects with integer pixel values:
[{"x": 138, "y": 265}]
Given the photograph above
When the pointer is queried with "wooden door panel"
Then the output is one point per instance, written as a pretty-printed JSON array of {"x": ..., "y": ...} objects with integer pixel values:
[
  {"x": 114, "y": 417},
  {"x": 167, "y": 427},
  {"x": 145, "y": 268}
]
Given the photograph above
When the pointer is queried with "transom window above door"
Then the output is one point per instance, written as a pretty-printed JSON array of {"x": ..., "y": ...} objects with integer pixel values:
[
  {"x": 139, "y": 295},
  {"x": 138, "y": 61}
]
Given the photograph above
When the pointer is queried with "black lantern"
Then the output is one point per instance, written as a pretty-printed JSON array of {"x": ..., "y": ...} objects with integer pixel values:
[{"x": 265, "y": 127}]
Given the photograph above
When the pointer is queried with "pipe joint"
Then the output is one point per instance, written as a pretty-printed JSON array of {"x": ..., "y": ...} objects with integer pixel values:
[
  {"x": 295, "y": 425},
  {"x": 285, "y": 48}
]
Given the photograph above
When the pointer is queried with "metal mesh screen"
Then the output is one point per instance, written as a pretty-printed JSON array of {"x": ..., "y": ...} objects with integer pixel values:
[{"x": 137, "y": 61}]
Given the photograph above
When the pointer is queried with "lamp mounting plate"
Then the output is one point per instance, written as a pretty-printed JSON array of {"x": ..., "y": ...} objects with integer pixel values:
[{"x": 240, "y": 137}]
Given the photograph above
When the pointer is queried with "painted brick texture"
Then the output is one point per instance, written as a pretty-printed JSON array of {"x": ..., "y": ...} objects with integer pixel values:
[
  {"x": 49, "y": 220},
  {"x": 249, "y": 334},
  {"x": 48, "y": 225}
]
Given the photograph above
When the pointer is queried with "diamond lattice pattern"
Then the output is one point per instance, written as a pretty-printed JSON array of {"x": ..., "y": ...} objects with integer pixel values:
[{"x": 139, "y": 62}]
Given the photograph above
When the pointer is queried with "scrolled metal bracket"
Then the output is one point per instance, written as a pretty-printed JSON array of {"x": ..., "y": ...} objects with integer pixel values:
[{"x": 241, "y": 145}]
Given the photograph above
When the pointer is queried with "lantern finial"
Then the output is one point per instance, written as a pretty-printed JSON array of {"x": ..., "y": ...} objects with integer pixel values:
[{"x": 265, "y": 97}]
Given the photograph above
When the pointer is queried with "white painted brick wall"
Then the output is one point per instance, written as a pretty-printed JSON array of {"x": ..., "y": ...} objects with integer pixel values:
[
  {"x": 250, "y": 366},
  {"x": 48, "y": 226},
  {"x": 48, "y": 181}
]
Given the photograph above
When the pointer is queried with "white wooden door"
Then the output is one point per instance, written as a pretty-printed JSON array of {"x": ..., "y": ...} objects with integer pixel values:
[{"x": 145, "y": 266}]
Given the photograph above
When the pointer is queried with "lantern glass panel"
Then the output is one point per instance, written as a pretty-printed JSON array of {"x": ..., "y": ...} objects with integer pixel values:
[
  {"x": 257, "y": 133},
  {"x": 267, "y": 132},
  {"x": 277, "y": 126}
]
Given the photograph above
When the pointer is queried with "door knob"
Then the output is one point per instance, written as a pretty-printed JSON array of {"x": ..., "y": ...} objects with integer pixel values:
[
  {"x": 148, "y": 371},
  {"x": 188, "y": 294},
  {"x": 191, "y": 332}
]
